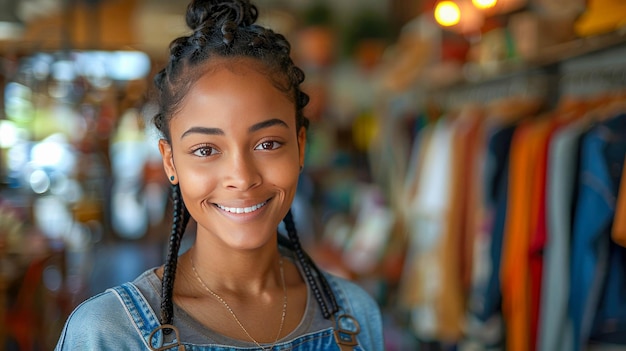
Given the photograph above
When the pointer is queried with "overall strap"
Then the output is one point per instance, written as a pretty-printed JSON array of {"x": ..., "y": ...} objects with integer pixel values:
[
  {"x": 144, "y": 319},
  {"x": 346, "y": 326}
]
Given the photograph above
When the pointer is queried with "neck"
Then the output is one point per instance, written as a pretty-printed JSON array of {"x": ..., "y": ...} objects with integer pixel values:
[{"x": 248, "y": 272}]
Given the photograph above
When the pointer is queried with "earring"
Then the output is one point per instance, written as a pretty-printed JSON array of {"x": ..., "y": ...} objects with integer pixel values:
[{"x": 172, "y": 178}]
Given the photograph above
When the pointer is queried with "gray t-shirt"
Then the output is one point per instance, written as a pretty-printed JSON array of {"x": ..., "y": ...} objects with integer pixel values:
[{"x": 192, "y": 331}]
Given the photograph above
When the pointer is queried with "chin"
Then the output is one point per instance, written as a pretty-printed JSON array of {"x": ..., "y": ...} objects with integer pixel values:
[{"x": 249, "y": 241}]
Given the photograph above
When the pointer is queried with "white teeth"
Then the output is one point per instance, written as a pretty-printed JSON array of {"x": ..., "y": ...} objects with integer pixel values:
[{"x": 242, "y": 210}]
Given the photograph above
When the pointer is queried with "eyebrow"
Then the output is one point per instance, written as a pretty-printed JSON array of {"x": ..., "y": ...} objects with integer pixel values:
[
  {"x": 218, "y": 131},
  {"x": 202, "y": 130},
  {"x": 266, "y": 124}
]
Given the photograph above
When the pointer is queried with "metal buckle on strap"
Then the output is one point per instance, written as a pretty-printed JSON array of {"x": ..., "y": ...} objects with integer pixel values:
[
  {"x": 346, "y": 329},
  {"x": 176, "y": 343}
]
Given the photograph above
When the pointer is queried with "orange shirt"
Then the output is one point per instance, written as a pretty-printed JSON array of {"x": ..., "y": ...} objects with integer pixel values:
[{"x": 521, "y": 220}]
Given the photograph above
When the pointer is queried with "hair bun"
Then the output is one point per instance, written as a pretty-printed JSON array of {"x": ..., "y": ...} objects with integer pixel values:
[{"x": 214, "y": 13}]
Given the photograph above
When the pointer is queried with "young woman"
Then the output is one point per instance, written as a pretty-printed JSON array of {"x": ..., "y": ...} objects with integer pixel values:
[{"x": 233, "y": 138}]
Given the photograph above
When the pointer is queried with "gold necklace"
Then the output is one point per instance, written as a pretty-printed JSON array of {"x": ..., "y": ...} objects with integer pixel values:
[{"x": 232, "y": 313}]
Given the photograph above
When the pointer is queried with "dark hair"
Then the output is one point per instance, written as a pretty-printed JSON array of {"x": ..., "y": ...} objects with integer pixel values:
[{"x": 227, "y": 30}]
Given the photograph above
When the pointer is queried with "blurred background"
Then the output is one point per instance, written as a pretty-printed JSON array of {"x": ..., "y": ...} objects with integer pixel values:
[{"x": 464, "y": 162}]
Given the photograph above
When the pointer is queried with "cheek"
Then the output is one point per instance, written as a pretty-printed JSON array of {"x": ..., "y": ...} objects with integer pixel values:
[
  {"x": 196, "y": 182},
  {"x": 283, "y": 177}
]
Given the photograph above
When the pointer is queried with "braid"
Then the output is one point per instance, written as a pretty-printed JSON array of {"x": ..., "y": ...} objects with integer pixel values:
[
  {"x": 307, "y": 264},
  {"x": 179, "y": 223},
  {"x": 224, "y": 30}
]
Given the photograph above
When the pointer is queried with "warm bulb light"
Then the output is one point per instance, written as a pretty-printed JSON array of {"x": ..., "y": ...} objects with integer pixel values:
[
  {"x": 484, "y": 4},
  {"x": 447, "y": 13}
]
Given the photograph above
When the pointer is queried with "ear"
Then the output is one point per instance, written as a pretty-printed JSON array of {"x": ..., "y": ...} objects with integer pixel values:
[
  {"x": 168, "y": 160},
  {"x": 301, "y": 145}
]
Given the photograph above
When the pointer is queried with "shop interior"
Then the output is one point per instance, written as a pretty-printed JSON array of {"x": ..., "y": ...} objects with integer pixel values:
[{"x": 464, "y": 162}]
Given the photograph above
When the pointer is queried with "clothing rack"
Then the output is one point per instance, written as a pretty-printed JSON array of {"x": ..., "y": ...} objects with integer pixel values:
[
  {"x": 594, "y": 73},
  {"x": 590, "y": 73},
  {"x": 532, "y": 84}
]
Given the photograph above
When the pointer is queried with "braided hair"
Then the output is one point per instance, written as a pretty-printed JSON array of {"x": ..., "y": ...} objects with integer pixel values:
[{"x": 227, "y": 30}]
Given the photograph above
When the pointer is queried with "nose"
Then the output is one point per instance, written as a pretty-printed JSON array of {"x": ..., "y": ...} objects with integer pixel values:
[{"x": 242, "y": 173}]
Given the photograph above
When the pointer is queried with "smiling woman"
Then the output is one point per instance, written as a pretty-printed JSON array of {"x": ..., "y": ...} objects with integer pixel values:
[
  {"x": 233, "y": 143},
  {"x": 235, "y": 153}
]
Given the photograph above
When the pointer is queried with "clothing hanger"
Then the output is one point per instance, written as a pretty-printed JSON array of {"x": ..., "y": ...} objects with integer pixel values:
[
  {"x": 515, "y": 108},
  {"x": 570, "y": 108},
  {"x": 615, "y": 105}
]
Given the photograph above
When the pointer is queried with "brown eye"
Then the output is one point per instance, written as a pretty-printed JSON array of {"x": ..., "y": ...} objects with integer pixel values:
[
  {"x": 268, "y": 145},
  {"x": 205, "y": 151}
]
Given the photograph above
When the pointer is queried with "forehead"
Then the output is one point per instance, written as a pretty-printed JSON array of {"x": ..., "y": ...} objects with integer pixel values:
[
  {"x": 236, "y": 64},
  {"x": 235, "y": 87},
  {"x": 241, "y": 65}
]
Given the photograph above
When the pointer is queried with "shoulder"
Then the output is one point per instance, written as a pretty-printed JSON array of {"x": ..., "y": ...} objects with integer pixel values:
[
  {"x": 148, "y": 282},
  {"x": 357, "y": 302},
  {"x": 93, "y": 310},
  {"x": 352, "y": 294},
  {"x": 99, "y": 322}
]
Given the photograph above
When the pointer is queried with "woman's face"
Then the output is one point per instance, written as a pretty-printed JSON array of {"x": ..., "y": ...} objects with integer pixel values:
[{"x": 236, "y": 155}]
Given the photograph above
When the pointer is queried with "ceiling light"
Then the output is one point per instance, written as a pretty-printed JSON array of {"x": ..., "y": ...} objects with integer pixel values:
[{"x": 447, "y": 13}]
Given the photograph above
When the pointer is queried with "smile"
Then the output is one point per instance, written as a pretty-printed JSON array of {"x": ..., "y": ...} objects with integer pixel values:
[{"x": 241, "y": 209}]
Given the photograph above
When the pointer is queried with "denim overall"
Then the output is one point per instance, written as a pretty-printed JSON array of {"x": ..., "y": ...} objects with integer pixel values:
[{"x": 146, "y": 323}]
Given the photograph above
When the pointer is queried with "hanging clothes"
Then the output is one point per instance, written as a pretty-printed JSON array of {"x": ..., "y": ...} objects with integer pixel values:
[
  {"x": 427, "y": 274},
  {"x": 484, "y": 325},
  {"x": 609, "y": 318},
  {"x": 538, "y": 231},
  {"x": 595, "y": 259},
  {"x": 554, "y": 325},
  {"x": 522, "y": 217},
  {"x": 512, "y": 235},
  {"x": 469, "y": 152},
  {"x": 618, "y": 232}
]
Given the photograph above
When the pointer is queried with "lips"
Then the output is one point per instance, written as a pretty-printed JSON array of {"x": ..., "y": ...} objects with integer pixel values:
[{"x": 241, "y": 209}]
